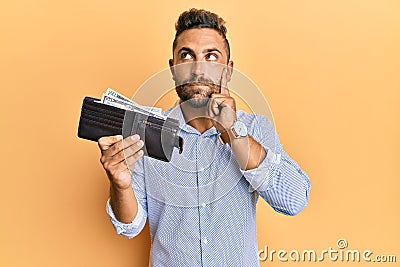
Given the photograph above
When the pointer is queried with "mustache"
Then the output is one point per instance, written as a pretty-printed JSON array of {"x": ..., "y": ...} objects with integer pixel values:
[{"x": 199, "y": 79}]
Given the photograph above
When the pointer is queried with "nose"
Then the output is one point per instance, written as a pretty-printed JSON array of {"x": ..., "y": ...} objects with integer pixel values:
[{"x": 198, "y": 68}]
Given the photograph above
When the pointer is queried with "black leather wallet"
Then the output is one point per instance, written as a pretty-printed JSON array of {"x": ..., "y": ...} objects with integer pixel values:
[{"x": 160, "y": 135}]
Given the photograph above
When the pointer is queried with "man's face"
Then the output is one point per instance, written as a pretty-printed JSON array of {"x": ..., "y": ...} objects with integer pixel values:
[{"x": 199, "y": 58}]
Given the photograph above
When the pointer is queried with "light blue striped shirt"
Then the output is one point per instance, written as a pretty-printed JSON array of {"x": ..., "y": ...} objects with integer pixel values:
[{"x": 201, "y": 206}]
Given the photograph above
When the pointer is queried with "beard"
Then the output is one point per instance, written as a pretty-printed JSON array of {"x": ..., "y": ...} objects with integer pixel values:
[{"x": 197, "y": 93}]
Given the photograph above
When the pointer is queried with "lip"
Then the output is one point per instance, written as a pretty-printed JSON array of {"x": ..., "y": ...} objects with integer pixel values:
[{"x": 198, "y": 84}]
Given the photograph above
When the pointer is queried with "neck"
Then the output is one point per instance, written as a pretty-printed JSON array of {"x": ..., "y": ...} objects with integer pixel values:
[{"x": 196, "y": 117}]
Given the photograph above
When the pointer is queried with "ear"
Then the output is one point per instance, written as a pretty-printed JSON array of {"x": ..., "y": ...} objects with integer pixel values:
[
  {"x": 229, "y": 71},
  {"x": 171, "y": 68}
]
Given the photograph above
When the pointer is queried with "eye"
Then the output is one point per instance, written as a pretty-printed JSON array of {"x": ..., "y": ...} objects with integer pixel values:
[
  {"x": 212, "y": 57},
  {"x": 186, "y": 55}
]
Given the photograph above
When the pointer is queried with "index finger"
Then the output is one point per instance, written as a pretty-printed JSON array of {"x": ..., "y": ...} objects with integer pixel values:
[
  {"x": 223, "y": 83},
  {"x": 106, "y": 142}
]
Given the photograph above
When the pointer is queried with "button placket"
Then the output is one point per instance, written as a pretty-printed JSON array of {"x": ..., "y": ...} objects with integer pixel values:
[{"x": 203, "y": 216}]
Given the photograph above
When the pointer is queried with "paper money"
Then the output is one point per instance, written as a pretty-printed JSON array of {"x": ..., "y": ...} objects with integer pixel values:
[
  {"x": 153, "y": 109},
  {"x": 113, "y": 101},
  {"x": 111, "y": 93}
]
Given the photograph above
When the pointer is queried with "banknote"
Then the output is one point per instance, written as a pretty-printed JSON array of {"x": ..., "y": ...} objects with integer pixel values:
[
  {"x": 112, "y": 101},
  {"x": 111, "y": 92},
  {"x": 152, "y": 109},
  {"x": 114, "y": 94}
]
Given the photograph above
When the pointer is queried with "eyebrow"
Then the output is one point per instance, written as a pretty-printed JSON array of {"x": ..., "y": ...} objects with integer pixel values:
[
  {"x": 213, "y": 50},
  {"x": 187, "y": 49}
]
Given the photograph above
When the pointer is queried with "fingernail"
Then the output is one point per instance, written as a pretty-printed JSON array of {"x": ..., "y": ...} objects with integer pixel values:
[
  {"x": 140, "y": 143},
  {"x": 135, "y": 137}
]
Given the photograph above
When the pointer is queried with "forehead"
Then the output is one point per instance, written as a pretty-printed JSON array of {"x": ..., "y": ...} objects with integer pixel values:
[{"x": 198, "y": 39}]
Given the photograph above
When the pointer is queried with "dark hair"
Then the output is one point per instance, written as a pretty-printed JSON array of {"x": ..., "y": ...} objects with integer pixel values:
[{"x": 200, "y": 18}]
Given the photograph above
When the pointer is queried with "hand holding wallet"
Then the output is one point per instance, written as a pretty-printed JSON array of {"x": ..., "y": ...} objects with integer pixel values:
[{"x": 160, "y": 135}]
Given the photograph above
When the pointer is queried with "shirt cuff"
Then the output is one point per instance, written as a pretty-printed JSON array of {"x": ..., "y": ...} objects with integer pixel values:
[
  {"x": 128, "y": 229},
  {"x": 261, "y": 175}
]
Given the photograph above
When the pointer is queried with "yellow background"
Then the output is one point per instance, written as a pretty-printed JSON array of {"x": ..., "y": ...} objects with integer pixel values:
[{"x": 329, "y": 69}]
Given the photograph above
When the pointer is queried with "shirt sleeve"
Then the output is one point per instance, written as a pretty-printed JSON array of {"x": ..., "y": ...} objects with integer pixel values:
[
  {"x": 132, "y": 229},
  {"x": 278, "y": 179}
]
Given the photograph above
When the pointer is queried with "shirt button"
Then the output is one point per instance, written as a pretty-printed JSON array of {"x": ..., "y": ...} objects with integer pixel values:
[
  {"x": 201, "y": 169},
  {"x": 203, "y": 205},
  {"x": 205, "y": 240}
]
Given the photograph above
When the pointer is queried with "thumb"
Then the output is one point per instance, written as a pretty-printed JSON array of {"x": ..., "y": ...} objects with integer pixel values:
[{"x": 106, "y": 142}]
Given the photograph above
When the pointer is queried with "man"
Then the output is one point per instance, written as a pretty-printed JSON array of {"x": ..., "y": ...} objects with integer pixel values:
[{"x": 201, "y": 206}]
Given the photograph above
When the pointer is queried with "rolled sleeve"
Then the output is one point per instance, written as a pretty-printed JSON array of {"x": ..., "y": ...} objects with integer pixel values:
[
  {"x": 278, "y": 179},
  {"x": 262, "y": 131},
  {"x": 128, "y": 230},
  {"x": 260, "y": 178}
]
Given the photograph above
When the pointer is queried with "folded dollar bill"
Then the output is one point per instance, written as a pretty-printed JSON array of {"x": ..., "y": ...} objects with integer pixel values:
[{"x": 113, "y": 98}]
